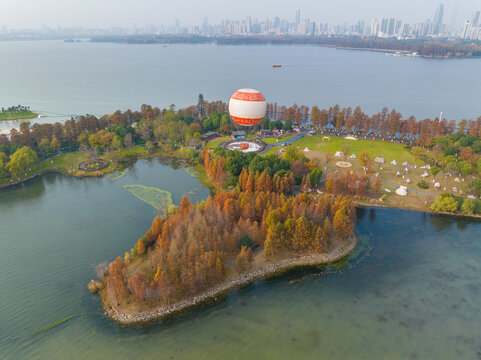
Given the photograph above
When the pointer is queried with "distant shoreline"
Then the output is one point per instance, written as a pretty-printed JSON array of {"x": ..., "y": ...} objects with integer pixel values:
[
  {"x": 425, "y": 48},
  {"x": 277, "y": 268}
]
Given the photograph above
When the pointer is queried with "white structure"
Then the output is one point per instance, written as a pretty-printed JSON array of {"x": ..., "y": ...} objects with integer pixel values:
[
  {"x": 379, "y": 160},
  {"x": 394, "y": 162},
  {"x": 353, "y": 156},
  {"x": 408, "y": 181},
  {"x": 405, "y": 163},
  {"x": 306, "y": 149},
  {"x": 437, "y": 185},
  {"x": 425, "y": 175},
  {"x": 350, "y": 138},
  {"x": 387, "y": 190},
  {"x": 239, "y": 146},
  {"x": 339, "y": 154},
  {"x": 402, "y": 191},
  {"x": 398, "y": 174},
  {"x": 456, "y": 180}
]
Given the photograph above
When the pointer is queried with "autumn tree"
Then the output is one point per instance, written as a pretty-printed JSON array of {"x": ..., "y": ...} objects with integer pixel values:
[
  {"x": 364, "y": 158},
  {"x": 244, "y": 259},
  {"x": 342, "y": 223},
  {"x": 140, "y": 247},
  {"x": 377, "y": 186},
  {"x": 138, "y": 285},
  {"x": 116, "y": 279}
]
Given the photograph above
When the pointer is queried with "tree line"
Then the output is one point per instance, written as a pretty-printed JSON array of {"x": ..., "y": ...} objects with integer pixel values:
[{"x": 15, "y": 109}]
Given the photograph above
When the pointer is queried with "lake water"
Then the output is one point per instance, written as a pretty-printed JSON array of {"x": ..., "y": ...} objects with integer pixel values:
[
  {"x": 411, "y": 291},
  {"x": 98, "y": 78}
]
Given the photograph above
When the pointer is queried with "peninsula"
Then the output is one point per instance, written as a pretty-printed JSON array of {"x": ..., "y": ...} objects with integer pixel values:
[
  {"x": 200, "y": 251},
  {"x": 291, "y": 204}
]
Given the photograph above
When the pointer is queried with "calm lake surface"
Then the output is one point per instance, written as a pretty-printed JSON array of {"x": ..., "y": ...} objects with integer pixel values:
[
  {"x": 411, "y": 290},
  {"x": 99, "y": 78}
]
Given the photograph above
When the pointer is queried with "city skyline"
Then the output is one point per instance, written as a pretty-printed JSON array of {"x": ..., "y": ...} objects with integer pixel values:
[
  {"x": 110, "y": 13},
  {"x": 385, "y": 27}
]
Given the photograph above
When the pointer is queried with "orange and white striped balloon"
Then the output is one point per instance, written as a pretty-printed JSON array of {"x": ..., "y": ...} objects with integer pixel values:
[{"x": 247, "y": 107}]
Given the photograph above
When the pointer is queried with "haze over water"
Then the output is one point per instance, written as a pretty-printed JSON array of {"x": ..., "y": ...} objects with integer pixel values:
[
  {"x": 411, "y": 290},
  {"x": 99, "y": 78}
]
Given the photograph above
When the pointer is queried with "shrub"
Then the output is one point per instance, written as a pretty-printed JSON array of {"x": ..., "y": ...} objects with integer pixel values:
[
  {"x": 468, "y": 206},
  {"x": 423, "y": 185},
  {"x": 465, "y": 168},
  {"x": 245, "y": 241},
  {"x": 315, "y": 176},
  {"x": 445, "y": 203}
]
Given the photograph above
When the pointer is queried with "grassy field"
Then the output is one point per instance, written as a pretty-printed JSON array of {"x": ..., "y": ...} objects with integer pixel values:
[
  {"x": 125, "y": 153},
  {"x": 68, "y": 163},
  {"x": 62, "y": 163},
  {"x": 214, "y": 143},
  {"x": 274, "y": 140},
  {"x": 17, "y": 115},
  {"x": 390, "y": 151}
]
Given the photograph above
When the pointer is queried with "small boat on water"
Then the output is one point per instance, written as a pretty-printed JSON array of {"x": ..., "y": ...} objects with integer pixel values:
[{"x": 276, "y": 65}]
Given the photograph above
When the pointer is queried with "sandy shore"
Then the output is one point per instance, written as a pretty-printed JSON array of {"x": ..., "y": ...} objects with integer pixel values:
[{"x": 115, "y": 313}]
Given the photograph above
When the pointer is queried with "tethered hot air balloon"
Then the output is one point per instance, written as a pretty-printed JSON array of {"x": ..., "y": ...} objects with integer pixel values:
[{"x": 247, "y": 107}]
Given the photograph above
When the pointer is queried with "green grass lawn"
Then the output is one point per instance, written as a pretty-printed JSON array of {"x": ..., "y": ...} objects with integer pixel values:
[
  {"x": 274, "y": 140},
  {"x": 214, "y": 143},
  {"x": 125, "y": 153},
  {"x": 62, "y": 162},
  {"x": 389, "y": 151},
  {"x": 69, "y": 162}
]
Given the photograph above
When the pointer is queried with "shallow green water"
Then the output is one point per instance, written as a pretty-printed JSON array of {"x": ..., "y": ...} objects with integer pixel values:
[{"x": 411, "y": 292}]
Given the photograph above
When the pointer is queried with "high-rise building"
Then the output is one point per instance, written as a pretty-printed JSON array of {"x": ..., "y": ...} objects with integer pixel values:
[
  {"x": 391, "y": 26},
  {"x": 277, "y": 22},
  {"x": 466, "y": 29},
  {"x": 205, "y": 25},
  {"x": 384, "y": 25},
  {"x": 475, "y": 19},
  {"x": 298, "y": 17},
  {"x": 438, "y": 19},
  {"x": 397, "y": 27}
]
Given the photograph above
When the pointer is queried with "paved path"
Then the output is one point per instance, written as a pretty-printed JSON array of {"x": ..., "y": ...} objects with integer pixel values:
[{"x": 294, "y": 139}]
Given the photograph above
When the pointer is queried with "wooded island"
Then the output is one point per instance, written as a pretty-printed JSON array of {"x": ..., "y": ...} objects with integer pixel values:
[{"x": 16, "y": 113}]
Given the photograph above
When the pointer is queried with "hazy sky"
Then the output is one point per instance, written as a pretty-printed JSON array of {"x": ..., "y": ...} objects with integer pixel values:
[{"x": 126, "y": 13}]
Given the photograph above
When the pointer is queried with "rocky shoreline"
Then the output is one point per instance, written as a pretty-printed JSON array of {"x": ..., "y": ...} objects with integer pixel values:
[{"x": 279, "y": 267}]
